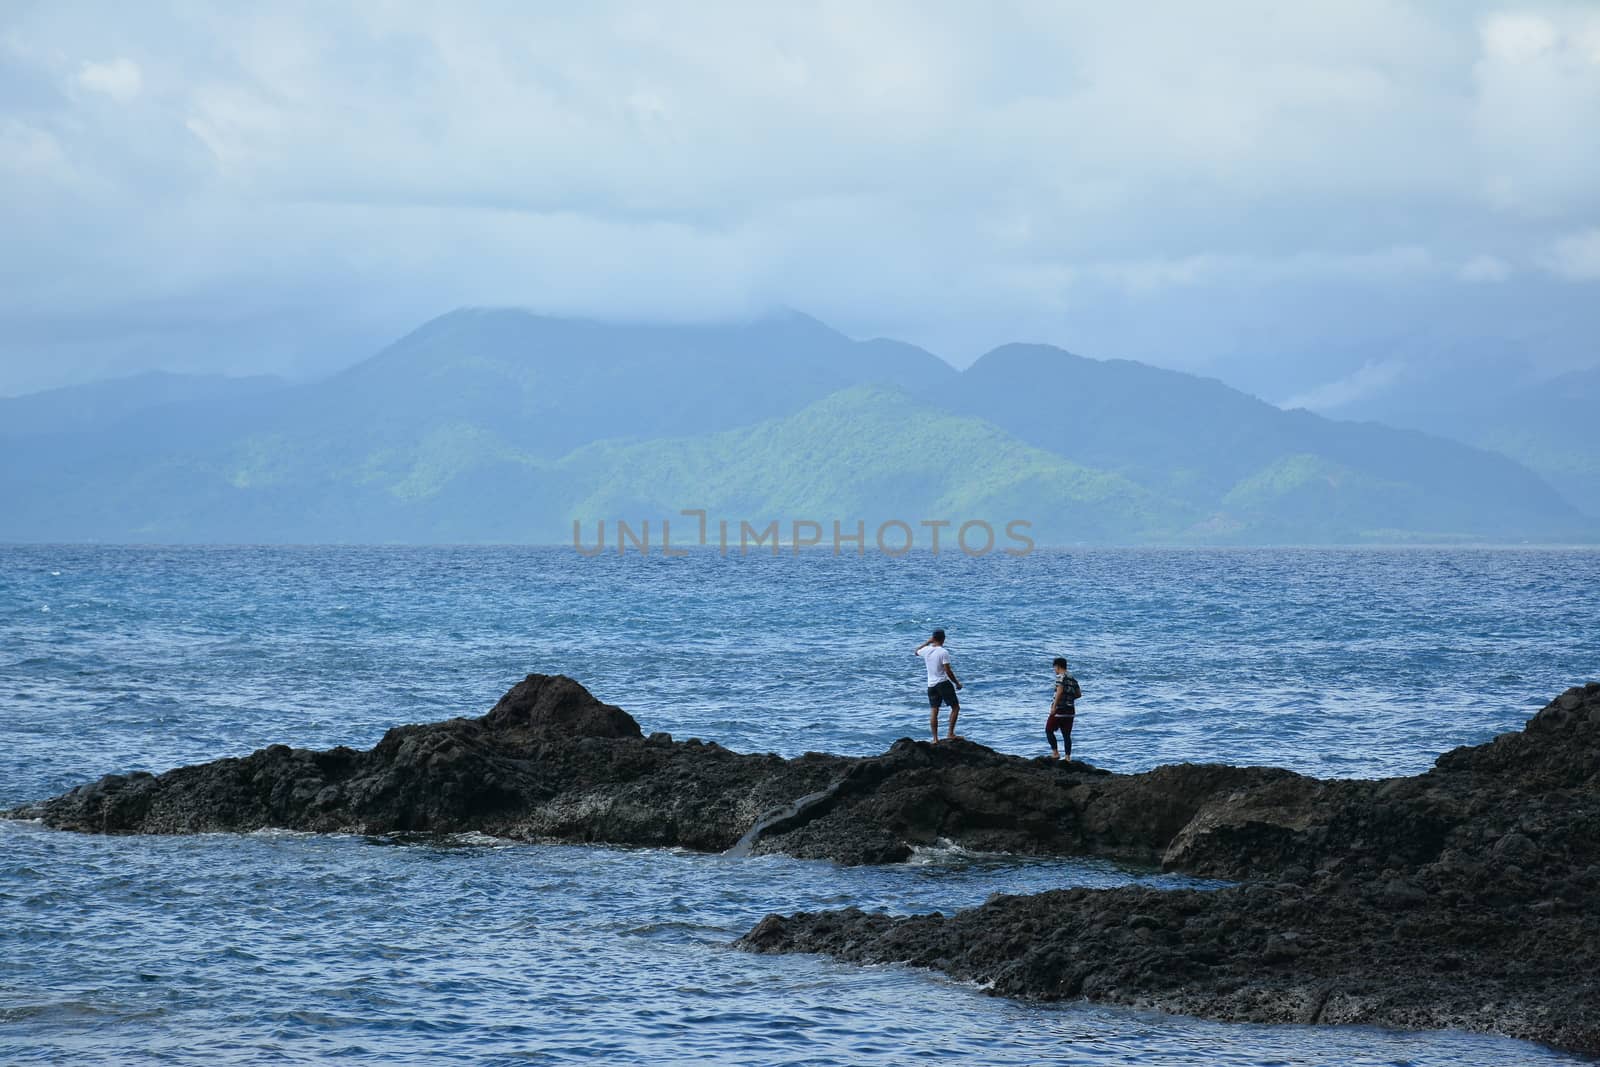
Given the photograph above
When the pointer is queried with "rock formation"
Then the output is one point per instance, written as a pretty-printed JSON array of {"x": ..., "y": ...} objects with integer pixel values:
[
  {"x": 550, "y": 762},
  {"x": 1466, "y": 897}
]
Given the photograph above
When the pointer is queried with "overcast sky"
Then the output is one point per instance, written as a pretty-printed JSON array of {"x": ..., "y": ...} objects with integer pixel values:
[{"x": 1319, "y": 202}]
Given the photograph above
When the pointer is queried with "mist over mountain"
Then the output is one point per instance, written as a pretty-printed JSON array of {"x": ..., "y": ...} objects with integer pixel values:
[
  {"x": 99, "y": 404},
  {"x": 1547, "y": 428},
  {"x": 501, "y": 425},
  {"x": 547, "y": 385},
  {"x": 1541, "y": 424},
  {"x": 1270, "y": 472}
]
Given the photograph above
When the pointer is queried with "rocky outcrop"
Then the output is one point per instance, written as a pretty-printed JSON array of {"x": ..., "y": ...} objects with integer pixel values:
[
  {"x": 551, "y": 762},
  {"x": 962, "y": 793},
  {"x": 548, "y": 762},
  {"x": 1467, "y": 897},
  {"x": 1410, "y": 954}
]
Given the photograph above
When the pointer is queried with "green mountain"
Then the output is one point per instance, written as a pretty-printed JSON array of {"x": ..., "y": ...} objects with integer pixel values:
[
  {"x": 872, "y": 454},
  {"x": 506, "y": 426},
  {"x": 1265, "y": 473}
]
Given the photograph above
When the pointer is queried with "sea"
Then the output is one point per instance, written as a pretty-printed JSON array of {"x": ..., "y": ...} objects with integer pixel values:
[{"x": 280, "y": 947}]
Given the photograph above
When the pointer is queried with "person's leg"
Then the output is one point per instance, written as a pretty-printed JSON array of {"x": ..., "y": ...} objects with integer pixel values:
[
  {"x": 955, "y": 712},
  {"x": 933, "y": 714},
  {"x": 1051, "y": 725},
  {"x": 1066, "y": 735}
]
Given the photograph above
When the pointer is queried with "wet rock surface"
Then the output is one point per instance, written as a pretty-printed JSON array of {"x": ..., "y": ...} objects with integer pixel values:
[
  {"x": 1467, "y": 897},
  {"x": 1464, "y": 897},
  {"x": 1353, "y": 953}
]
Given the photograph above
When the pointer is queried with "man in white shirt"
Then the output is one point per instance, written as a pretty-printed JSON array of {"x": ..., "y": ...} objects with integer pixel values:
[{"x": 942, "y": 684}]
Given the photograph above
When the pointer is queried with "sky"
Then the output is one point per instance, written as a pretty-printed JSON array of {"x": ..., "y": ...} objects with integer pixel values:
[{"x": 1330, "y": 205}]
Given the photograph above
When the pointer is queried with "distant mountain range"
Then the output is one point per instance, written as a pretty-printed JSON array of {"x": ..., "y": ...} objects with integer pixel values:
[
  {"x": 1546, "y": 428},
  {"x": 1543, "y": 426},
  {"x": 500, "y": 425},
  {"x": 86, "y": 408}
]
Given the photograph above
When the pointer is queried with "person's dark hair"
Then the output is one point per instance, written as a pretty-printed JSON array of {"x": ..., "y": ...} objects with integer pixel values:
[
  {"x": 938, "y": 635},
  {"x": 1059, "y": 662}
]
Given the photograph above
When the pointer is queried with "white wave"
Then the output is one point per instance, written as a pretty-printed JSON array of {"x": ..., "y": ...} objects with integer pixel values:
[
  {"x": 946, "y": 851},
  {"x": 477, "y": 837}
]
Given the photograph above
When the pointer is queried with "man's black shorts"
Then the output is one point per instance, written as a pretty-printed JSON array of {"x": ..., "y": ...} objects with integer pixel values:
[{"x": 944, "y": 692}]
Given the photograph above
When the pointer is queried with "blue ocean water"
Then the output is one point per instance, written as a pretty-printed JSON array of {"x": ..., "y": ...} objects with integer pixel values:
[{"x": 282, "y": 947}]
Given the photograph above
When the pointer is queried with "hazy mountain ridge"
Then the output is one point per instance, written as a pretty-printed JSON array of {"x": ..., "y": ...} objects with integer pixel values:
[
  {"x": 1545, "y": 427},
  {"x": 1541, "y": 424},
  {"x": 494, "y": 425},
  {"x": 79, "y": 408}
]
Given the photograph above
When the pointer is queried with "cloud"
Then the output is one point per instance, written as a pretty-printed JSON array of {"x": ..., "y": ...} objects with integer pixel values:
[
  {"x": 1371, "y": 378},
  {"x": 1191, "y": 183},
  {"x": 119, "y": 79},
  {"x": 1518, "y": 37},
  {"x": 1575, "y": 258},
  {"x": 1484, "y": 268},
  {"x": 1537, "y": 94},
  {"x": 26, "y": 151},
  {"x": 1144, "y": 276}
]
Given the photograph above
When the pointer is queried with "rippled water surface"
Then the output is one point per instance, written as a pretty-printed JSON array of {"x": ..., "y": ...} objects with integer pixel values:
[{"x": 283, "y": 947}]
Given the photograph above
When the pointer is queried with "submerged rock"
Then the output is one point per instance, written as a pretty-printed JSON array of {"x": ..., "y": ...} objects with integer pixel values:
[{"x": 1464, "y": 897}]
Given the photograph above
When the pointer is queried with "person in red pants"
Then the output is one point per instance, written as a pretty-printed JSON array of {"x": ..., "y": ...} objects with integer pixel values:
[{"x": 1063, "y": 708}]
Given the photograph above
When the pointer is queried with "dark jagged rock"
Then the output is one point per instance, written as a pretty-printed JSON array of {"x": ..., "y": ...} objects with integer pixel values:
[
  {"x": 548, "y": 762},
  {"x": 1464, "y": 897},
  {"x": 1467, "y": 897},
  {"x": 1541, "y": 784},
  {"x": 1375, "y": 952},
  {"x": 959, "y": 792},
  {"x": 546, "y": 706},
  {"x": 551, "y": 762}
]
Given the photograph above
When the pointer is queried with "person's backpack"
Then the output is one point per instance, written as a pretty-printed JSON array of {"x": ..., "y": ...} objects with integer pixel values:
[{"x": 1070, "y": 689}]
